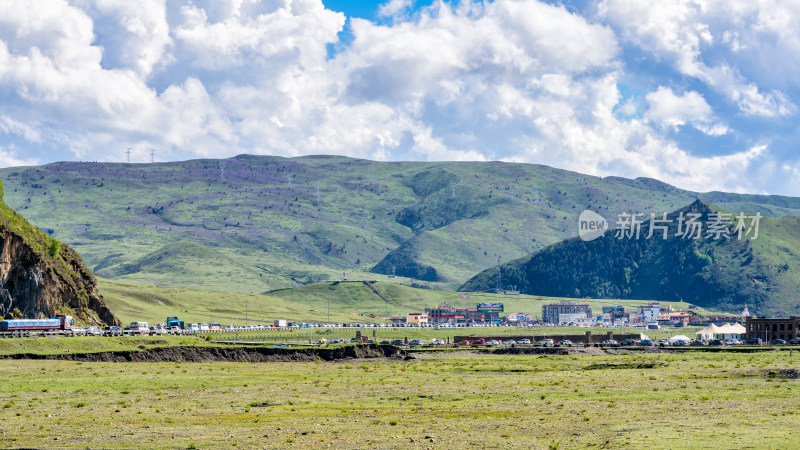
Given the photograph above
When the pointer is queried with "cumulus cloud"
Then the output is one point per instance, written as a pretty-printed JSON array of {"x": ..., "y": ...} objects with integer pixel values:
[
  {"x": 683, "y": 32},
  {"x": 671, "y": 110},
  {"x": 516, "y": 80}
]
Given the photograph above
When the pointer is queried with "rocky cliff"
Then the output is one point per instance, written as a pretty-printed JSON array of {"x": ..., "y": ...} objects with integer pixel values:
[{"x": 40, "y": 277}]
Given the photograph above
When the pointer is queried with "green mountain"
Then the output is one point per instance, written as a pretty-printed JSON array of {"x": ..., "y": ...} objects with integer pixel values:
[
  {"x": 256, "y": 223},
  {"x": 716, "y": 270},
  {"x": 40, "y": 277}
]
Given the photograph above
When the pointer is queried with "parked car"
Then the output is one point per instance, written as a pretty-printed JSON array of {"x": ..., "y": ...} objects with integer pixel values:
[
  {"x": 464, "y": 342},
  {"x": 93, "y": 331},
  {"x": 415, "y": 342},
  {"x": 546, "y": 342},
  {"x": 754, "y": 341},
  {"x": 680, "y": 343},
  {"x": 777, "y": 342},
  {"x": 565, "y": 343},
  {"x": 385, "y": 342},
  {"x": 280, "y": 345},
  {"x": 662, "y": 342},
  {"x": 398, "y": 342},
  {"x": 646, "y": 343},
  {"x": 698, "y": 343},
  {"x": 112, "y": 331},
  {"x": 510, "y": 342},
  {"x": 628, "y": 342},
  {"x": 478, "y": 342},
  {"x": 610, "y": 343},
  {"x": 437, "y": 342},
  {"x": 732, "y": 342},
  {"x": 795, "y": 341},
  {"x": 715, "y": 342},
  {"x": 524, "y": 342},
  {"x": 492, "y": 343}
]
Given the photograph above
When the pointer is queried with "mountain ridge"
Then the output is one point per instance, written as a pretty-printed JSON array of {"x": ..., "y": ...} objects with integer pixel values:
[
  {"x": 312, "y": 218},
  {"x": 726, "y": 273}
]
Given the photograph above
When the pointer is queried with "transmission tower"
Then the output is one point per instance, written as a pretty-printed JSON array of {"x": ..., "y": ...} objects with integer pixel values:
[
  {"x": 513, "y": 195},
  {"x": 452, "y": 190},
  {"x": 152, "y": 156},
  {"x": 128, "y": 152},
  {"x": 289, "y": 179},
  {"x": 222, "y": 171},
  {"x": 316, "y": 196}
]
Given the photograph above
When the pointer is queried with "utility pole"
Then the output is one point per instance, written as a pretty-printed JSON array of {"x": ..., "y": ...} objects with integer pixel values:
[
  {"x": 129, "y": 155},
  {"x": 222, "y": 171},
  {"x": 329, "y": 309},
  {"x": 245, "y": 312},
  {"x": 317, "y": 194},
  {"x": 152, "y": 156},
  {"x": 499, "y": 273}
]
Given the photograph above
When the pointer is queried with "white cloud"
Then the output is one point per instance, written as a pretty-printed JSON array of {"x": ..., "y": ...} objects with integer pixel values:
[
  {"x": 671, "y": 110},
  {"x": 395, "y": 8},
  {"x": 682, "y": 32},
  {"x": 517, "y": 80}
]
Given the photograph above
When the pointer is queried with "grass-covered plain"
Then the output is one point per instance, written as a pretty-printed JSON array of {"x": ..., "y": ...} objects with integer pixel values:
[
  {"x": 699, "y": 400},
  {"x": 349, "y": 302}
]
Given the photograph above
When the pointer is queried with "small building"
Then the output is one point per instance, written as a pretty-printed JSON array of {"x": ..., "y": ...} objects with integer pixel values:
[
  {"x": 769, "y": 329},
  {"x": 417, "y": 319},
  {"x": 552, "y": 313},
  {"x": 398, "y": 319},
  {"x": 517, "y": 317},
  {"x": 649, "y": 312}
]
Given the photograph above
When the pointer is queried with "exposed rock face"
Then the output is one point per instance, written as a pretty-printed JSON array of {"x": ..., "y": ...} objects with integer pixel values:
[{"x": 40, "y": 277}]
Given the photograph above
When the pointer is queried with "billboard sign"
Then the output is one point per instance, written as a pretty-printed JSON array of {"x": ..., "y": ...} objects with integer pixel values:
[{"x": 490, "y": 307}]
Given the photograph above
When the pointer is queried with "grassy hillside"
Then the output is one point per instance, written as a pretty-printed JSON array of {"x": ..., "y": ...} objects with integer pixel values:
[
  {"x": 264, "y": 222},
  {"x": 761, "y": 272},
  {"x": 349, "y": 302}
]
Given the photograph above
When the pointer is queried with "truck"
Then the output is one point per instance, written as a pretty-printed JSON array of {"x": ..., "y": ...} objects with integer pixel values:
[
  {"x": 175, "y": 322},
  {"x": 55, "y": 323},
  {"x": 280, "y": 323}
]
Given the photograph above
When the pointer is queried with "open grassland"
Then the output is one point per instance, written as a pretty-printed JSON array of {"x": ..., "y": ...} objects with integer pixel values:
[
  {"x": 349, "y": 303},
  {"x": 91, "y": 344},
  {"x": 426, "y": 334},
  {"x": 656, "y": 400}
]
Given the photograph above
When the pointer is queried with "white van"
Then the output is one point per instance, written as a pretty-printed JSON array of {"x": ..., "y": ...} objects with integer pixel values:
[{"x": 141, "y": 328}]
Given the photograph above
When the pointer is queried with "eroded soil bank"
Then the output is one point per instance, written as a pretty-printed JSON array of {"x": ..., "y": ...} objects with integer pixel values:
[{"x": 234, "y": 354}]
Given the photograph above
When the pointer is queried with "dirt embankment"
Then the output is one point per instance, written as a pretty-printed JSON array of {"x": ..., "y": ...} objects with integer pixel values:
[{"x": 236, "y": 354}]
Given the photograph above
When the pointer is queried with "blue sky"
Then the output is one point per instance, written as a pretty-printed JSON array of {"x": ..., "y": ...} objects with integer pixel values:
[{"x": 700, "y": 94}]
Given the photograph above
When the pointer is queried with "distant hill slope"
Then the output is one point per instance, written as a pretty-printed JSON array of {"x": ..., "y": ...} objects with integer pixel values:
[
  {"x": 269, "y": 222},
  {"x": 348, "y": 302},
  {"x": 40, "y": 277},
  {"x": 718, "y": 273}
]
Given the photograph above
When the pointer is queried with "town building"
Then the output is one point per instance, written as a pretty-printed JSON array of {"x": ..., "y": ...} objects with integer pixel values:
[
  {"x": 517, "y": 317},
  {"x": 769, "y": 329},
  {"x": 417, "y": 319},
  {"x": 551, "y": 313},
  {"x": 649, "y": 312},
  {"x": 461, "y": 315}
]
